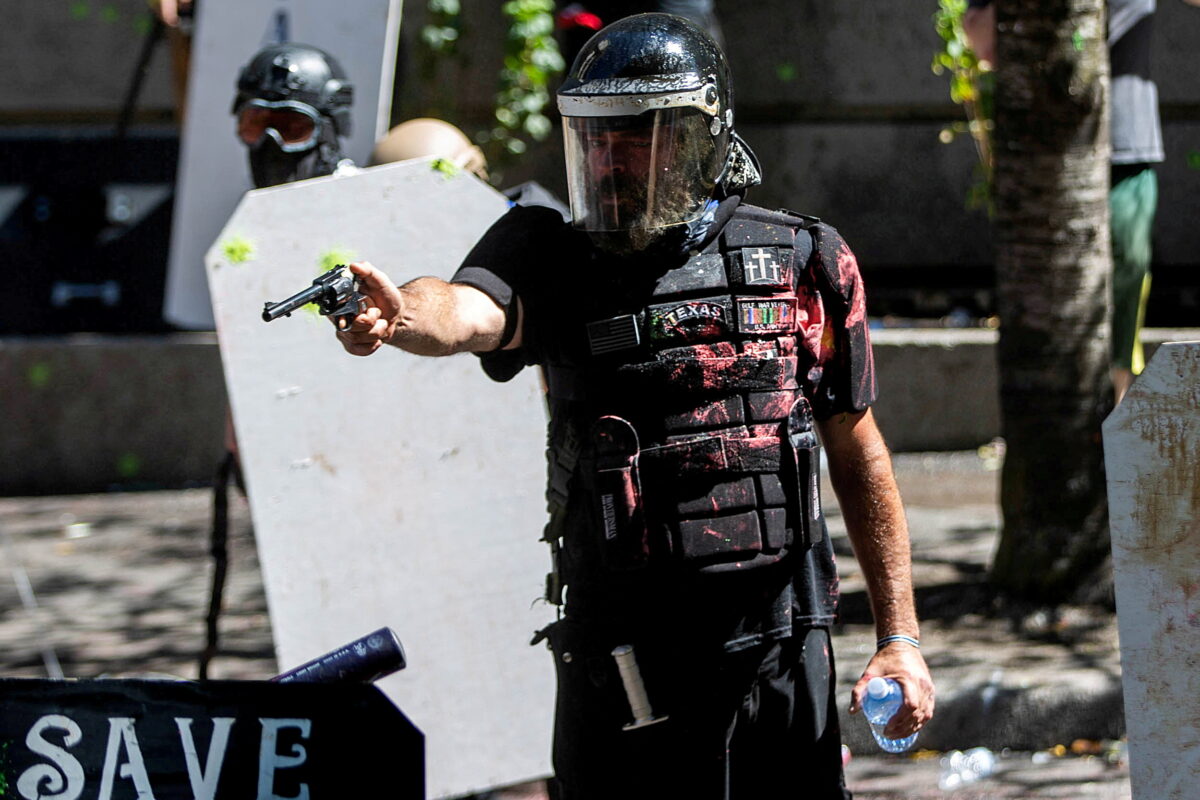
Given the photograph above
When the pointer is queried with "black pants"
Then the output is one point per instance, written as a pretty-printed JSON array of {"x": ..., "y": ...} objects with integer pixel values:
[{"x": 758, "y": 723}]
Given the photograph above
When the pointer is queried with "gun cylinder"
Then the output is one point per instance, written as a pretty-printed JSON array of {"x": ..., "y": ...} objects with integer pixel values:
[{"x": 635, "y": 689}]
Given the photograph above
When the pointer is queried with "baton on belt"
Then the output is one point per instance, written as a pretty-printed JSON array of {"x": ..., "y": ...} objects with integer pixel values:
[{"x": 635, "y": 689}]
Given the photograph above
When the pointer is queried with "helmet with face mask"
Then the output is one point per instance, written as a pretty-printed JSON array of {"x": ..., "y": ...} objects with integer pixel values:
[
  {"x": 292, "y": 104},
  {"x": 648, "y": 126}
]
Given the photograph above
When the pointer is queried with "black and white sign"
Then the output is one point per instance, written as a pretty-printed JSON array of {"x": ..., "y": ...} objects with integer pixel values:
[{"x": 178, "y": 740}]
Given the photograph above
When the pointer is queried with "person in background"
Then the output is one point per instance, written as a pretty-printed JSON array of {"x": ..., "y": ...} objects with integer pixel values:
[
  {"x": 293, "y": 108},
  {"x": 1136, "y": 134},
  {"x": 178, "y": 16},
  {"x": 424, "y": 136}
]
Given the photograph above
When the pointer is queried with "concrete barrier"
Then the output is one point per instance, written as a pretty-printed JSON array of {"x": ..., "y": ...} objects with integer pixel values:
[
  {"x": 1151, "y": 444},
  {"x": 89, "y": 413}
]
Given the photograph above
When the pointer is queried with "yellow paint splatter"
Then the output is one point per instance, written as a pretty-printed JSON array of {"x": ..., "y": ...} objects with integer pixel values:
[
  {"x": 238, "y": 249},
  {"x": 446, "y": 167},
  {"x": 335, "y": 257}
]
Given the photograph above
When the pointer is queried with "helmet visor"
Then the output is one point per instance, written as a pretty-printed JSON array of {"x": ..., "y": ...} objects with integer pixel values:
[
  {"x": 293, "y": 125},
  {"x": 644, "y": 172}
]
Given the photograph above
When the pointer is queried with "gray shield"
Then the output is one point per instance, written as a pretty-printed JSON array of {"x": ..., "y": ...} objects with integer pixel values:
[{"x": 392, "y": 490}]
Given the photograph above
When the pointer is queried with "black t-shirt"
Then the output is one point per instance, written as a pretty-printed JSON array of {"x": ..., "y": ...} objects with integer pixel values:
[{"x": 532, "y": 254}]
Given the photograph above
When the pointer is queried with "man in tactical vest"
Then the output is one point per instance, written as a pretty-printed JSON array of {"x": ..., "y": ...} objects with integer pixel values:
[
  {"x": 292, "y": 105},
  {"x": 694, "y": 347}
]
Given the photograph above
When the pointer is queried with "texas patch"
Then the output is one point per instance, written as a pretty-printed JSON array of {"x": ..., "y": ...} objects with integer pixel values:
[{"x": 690, "y": 320}]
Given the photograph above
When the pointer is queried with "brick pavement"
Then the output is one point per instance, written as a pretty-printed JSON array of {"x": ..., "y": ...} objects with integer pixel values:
[{"x": 121, "y": 582}]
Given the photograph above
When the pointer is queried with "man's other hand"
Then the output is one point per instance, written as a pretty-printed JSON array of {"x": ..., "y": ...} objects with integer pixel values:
[{"x": 904, "y": 664}]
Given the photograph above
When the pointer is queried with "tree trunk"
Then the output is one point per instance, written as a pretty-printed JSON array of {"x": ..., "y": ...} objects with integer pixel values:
[{"x": 1053, "y": 265}]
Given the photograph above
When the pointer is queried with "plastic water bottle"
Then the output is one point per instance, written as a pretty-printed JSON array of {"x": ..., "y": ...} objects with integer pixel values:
[{"x": 882, "y": 700}]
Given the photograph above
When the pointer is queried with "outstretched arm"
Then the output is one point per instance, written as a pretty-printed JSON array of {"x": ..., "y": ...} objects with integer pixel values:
[
  {"x": 426, "y": 316},
  {"x": 861, "y": 473}
]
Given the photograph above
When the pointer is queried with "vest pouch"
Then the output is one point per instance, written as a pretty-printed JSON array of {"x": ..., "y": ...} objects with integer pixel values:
[
  {"x": 806, "y": 450},
  {"x": 620, "y": 517}
]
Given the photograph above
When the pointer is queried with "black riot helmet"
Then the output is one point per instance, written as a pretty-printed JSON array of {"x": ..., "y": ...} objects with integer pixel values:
[
  {"x": 293, "y": 102},
  {"x": 648, "y": 125}
]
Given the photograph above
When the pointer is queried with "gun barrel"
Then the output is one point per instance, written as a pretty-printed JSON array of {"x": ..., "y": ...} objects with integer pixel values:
[{"x": 273, "y": 311}]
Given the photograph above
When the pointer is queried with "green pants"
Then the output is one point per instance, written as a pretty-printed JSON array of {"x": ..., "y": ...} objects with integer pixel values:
[{"x": 1132, "y": 203}]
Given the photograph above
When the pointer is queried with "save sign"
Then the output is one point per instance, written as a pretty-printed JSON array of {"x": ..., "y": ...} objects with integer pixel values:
[{"x": 160, "y": 740}]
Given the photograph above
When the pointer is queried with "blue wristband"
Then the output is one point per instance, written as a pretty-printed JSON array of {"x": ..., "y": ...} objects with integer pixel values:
[{"x": 896, "y": 637}]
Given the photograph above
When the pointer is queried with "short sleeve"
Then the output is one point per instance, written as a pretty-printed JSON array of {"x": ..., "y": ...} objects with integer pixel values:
[
  {"x": 847, "y": 381},
  {"x": 505, "y": 264}
]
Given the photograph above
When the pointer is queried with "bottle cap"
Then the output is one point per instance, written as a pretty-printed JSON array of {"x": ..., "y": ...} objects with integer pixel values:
[{"x": 878, "y": 687}]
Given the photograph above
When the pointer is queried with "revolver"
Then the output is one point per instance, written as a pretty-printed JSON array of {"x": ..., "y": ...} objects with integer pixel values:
[{"x": 335, "y": 293}]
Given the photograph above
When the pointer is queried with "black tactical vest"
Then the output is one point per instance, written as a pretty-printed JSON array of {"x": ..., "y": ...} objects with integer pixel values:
[{"x": 683, "y": 436}]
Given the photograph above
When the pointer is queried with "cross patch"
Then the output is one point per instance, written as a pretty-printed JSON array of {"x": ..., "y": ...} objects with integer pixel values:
[{"x": 765, "y": 266}]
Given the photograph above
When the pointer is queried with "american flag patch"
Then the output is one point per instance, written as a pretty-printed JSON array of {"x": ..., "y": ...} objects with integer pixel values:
[
  {"x": 612, "y": 335},
  {"x": 776, "y": 315}
]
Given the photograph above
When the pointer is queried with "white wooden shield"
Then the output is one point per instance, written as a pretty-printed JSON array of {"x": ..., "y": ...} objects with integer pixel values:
[
  {"x": 213, "y": 171},
  {"x": 393, "y": 489}
]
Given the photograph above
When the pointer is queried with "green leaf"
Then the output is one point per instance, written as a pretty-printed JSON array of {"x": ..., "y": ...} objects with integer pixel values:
[
  {"x": 537, "y": 126},
  {"x": 506, "y": 117}
]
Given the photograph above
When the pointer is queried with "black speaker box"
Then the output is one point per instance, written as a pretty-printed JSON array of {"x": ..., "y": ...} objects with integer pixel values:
[{"x": 85, "y": 226}]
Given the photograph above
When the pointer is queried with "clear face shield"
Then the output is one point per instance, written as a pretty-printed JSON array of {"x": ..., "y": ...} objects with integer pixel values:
[{"x": 640, "y": 173}]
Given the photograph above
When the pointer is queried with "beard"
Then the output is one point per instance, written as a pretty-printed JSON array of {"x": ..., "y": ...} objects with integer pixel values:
[{"x": 638, "y": 225}]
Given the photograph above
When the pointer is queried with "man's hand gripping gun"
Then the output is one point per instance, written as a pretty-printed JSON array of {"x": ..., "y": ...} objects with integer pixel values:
[{"x": 335, "y": 293}]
